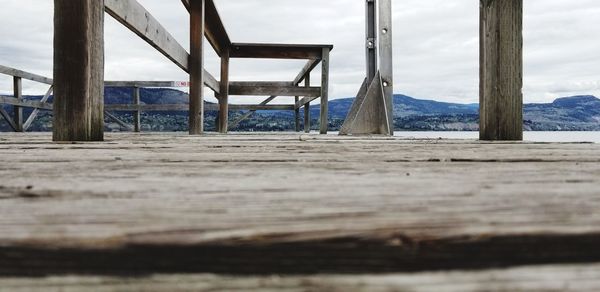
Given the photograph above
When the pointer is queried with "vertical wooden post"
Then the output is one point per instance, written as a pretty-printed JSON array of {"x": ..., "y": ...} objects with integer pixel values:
[
  {"x": 307, "y": 107},
  {"x": 386, "y": 63},
  {"x": 223, "y": 125},
  {"x": 17, "y": 110},
  {"x": 371, "y": 41},
  {"x": 137, "y": 115},
  {"x": 297, "y": 115},
  {"x": 325, "y": 91},
  {"x": 78, "y": 70},
  {"x": 196, "y": 118},
  {"x": 501, "y": 70}
]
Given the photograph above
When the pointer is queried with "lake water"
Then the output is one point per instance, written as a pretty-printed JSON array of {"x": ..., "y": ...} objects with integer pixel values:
[{"x": 528, "y": 136}]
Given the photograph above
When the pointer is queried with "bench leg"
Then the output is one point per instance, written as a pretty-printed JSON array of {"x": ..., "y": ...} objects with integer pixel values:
[
  {"x": 223, "y": 126},
  {"x": 325, "y": 91}
]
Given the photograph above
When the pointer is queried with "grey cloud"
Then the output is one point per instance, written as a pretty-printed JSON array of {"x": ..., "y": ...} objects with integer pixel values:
[{"x": 435, "y": 53}]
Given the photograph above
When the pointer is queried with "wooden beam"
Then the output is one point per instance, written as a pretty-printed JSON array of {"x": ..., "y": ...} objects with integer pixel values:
[
  {"x": 135, "y": 17},
  {"x": 8, "y": 118},
  {"x": 36, "y": 111},
  {"x": 267, "y": 89},
  {"x": 78, "y": 70},
  {"x": 215, "y": 32},
  {"x": 325, "y": 91},
  {"x": 250, "y": 113},
  {"x": 25, "y": 75},
  {"x": 196, "y": 111},
  {"x": 118, "y": 121},
  {"x": 25, "y": 103},
  {"x": 501, "y": 70},
  {"x": 386, "y": 63},
  {"x": 277, "y": 51},
  {"x": 223, "y": 120},
  {"x": 184, "y": 107},
  {"x": 304, "y": 101},
  {"x": 310, "y": 65},
  {"x": 17, "y": 110}
]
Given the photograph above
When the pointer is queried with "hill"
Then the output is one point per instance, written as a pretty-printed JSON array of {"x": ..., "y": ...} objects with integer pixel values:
[{"x": 575, "y": 113}]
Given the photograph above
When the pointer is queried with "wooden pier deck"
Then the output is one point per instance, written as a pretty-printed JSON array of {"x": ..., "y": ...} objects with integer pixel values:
[{"x": 322, "y": 212}]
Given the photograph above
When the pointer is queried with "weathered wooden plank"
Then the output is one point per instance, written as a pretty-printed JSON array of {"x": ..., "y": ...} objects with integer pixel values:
[
  {"x": 325, "y": 91},
  {"x": 36, "y": 111},
  {"x": 25, "y": 103},
  {"x": 197, "y": 28},
  {"x": 253, "y": 89},
  {"x": 501, "y": 70},
  {"x": 277, "y": 51},
  {"x": 456, "y": 204},
  {"x": 18, "y": 110},
  {"x": 250, "y": 113},
  {"x": 78, "y": 70},
  {"x": 25, "y": 75},
  {"x": 185, "y": 107},
  {"x": 135, "y": 17},
  {"x": 209, "y": 81},
  {"x": 531, "y": 278}
]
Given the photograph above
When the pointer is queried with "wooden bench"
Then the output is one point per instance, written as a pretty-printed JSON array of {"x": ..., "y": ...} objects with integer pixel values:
[{"x": 218, "y": 38}]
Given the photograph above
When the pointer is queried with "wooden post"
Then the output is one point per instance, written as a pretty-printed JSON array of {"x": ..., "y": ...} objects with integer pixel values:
[
  {"x": 78, "y": 70},
  {"x": 223, "y": 125},
  {"x": 325, "y": 91},
  {"x": 17, "y": 110},
  {"x": 297, "y": 115},
  {"x": 137, "y": 115},
  {"x": 386, "y": 63},
  {"x": 307, "y": 107},
  {"x": 501, "y": 70},
  {"x": 196, "y": 118}
]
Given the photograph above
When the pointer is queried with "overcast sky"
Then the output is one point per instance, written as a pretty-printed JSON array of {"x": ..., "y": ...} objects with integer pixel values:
[{"x": 435, "y": 44}]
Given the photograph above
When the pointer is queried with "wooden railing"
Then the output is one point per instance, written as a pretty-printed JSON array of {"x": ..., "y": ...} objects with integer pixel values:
[{"x": 137, "y": 107}]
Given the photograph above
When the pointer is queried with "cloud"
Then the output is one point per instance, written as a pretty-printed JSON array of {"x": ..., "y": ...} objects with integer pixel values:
[{"x": 435, "y": 44}]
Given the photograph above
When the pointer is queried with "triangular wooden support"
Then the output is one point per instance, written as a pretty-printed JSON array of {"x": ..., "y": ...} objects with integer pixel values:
[{"x": 368, "y": 114}]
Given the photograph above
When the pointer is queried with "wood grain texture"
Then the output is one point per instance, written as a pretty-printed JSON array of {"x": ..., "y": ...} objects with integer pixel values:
[
  {"x": 196, "y": 61},
  {"x": 501, "y": 73},
  {"x": 536, "y": 278},
  {"x": 292, "y": 204},
  {"x": 78, "y": 70}
]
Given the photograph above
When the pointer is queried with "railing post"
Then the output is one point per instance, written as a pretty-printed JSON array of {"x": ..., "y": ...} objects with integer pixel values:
[
  {"x": 78, "y": 70},
  {"x": 307, "y": 106},
  {"x": 223, "y": 126},
  {"x": 137, "y": 115},
  {"x": 196, "y": 66},
  {"x": 297, "y": 115},
  {"x": 501, "y": 70},
  {"x": 17, "y": 110},
  {"x": 325, "y": 91}
]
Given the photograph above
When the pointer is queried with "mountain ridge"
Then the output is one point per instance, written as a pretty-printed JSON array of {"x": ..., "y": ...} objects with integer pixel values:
[{"x": 575, "y": 113}]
